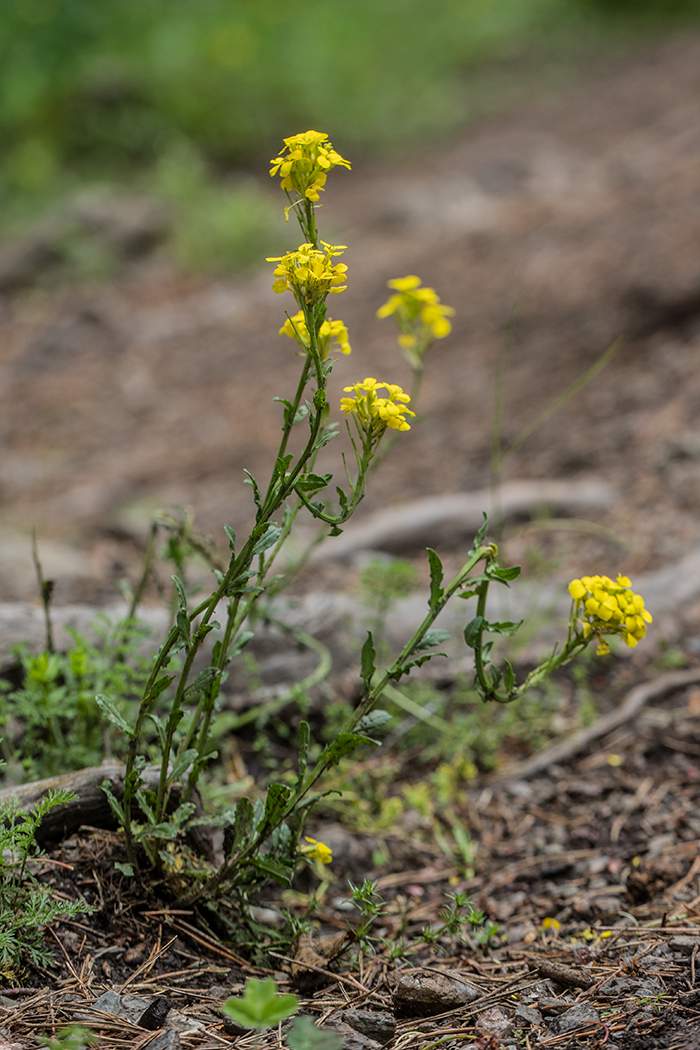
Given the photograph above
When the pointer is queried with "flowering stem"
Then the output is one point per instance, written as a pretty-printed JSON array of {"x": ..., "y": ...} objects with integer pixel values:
[
  {"x": 388, "y": 443},
  {"x": 399, "y": 667}
]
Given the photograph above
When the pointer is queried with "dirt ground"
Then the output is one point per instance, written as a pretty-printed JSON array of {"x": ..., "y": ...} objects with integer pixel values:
[{"x": 578, "y": 219}]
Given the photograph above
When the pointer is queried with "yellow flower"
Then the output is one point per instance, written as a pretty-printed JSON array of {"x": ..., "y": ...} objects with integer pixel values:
[
  {"x": 309, "y": 272},
  {"x": 309, "y": 157},
  {"x": 602, "y": 606},
  {"x": 332, "y": 335},
  {"x": 374, "y": 414},
  {"x": 418, "y": 313},
  {"x": 317, "y": 851}
]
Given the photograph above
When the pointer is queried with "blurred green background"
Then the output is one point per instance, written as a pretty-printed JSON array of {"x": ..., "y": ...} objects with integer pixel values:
[{"x": 186, "y": 100}]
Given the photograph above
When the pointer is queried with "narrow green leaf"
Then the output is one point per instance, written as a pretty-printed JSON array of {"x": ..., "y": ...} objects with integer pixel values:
[
  {"x": 282, "y": 465},
  {"x": 311, "y": 800},
  {"x": 342, "y": 499},
  {"x": 435, "y": 636},
  {"x": 343, "y": 745},
  {"x": 418, "y": 662},
  {"x": 236, "y": 835},
  {"x": 268, "y": 538},
  {"x": 182, "y": 764},
  {"x": 182, "y": 814},
  {"x": 146, "y": 801},
  {"x": 183, "y": 625},
  {"x": 473, "y": 631},
  {"x": 240, "y": 641},
  {"x": 250, "y": 480},
  {"x": 373, "y": 720},
  {"x": 504, "y": 575},
  {"x": 159, "y": 727},
  {"x": 159, "y": 686},
  {"x": 326, "y": 435},
  {"x": 201, "y": 684},
  {"x": 367, "y": 667},
  {"x": 114, "y": 803},
  {"x": 436, "y": 577},
  {"x": 304, "y": 743},
  {"x": 111, "y": 713},
  {"x": 508, "y": 627},
  {"x": 311, "y": 483},
  {"x": 275, "y": 869},
  {"x": 481, "y": 534},
  {"x": 231, "y": 535},
  {"x": 276, "y": 800},
  {"x": 181, "y": 596}
]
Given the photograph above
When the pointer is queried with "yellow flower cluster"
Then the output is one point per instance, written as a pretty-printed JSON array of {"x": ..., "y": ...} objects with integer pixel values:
[
  {"x": 309, "y": 157},
  {"x": 317, "y": 851},
  {"x": 604, "y": 607},
  {"x": 331, "y": 335},
  {"x": 369, "y": 409},
  {"x": 418, "y": 313},
  {"x": 309, "y": 272}
]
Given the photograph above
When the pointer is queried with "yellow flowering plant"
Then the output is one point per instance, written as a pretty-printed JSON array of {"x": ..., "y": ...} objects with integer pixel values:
[
  {"x": 601, "y": 606},
  {"x": 316, "y": 851},
  {"x": 420, "y": 315},
  {"x": 263, "y": 839},
  {"x": 303, "y": 165},
  {"x": 332, "y": 335}
]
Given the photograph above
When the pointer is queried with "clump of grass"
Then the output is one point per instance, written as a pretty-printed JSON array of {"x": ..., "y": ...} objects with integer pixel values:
[{"x": 51, "y": 722}]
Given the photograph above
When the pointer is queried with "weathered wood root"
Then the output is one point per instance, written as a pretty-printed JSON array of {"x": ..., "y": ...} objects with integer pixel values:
[
  {"x": 91, "y": 807},
  {"x": 458, "y": 514},
  {"x": 564, "y": 750}
]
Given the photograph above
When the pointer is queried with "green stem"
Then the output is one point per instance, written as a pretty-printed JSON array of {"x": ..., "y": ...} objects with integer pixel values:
[
  {"x": 387, "y": 445},
  {"x": 147, "y": 562},
  {"x": 277, "y": 492},
  {"x": 487, "y": 688}
]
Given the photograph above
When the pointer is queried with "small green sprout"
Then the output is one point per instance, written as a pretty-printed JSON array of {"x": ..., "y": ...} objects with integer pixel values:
[
  {"x": 75, "y": 1037},
  {"x": 260, "y": 1006},
  {"x": 304, "y": 1035}
]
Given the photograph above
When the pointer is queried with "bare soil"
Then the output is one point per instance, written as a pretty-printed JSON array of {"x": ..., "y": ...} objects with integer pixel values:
[{"x": 578, "y": 219}]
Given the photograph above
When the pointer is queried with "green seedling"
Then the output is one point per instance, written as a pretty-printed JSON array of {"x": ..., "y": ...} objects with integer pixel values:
[
  {"x": 260, "y": 1006},
  {"x": 304, "y": 1035},
  {"x": 74, "y": 1037}
]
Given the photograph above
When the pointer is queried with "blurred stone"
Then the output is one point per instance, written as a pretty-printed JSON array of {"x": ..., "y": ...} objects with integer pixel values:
[
  {"x": 352, "y": 1038},
  {"x": 494, "y": 1022},
  {"x": 153, "y": 1017},
  {"x": 576, "y": 1017},
  {"x": 375, "y": 1024},
  {"x": 167, "y": 1040},
  {"x": 425, "y": 992},
  {"x": 528, "y": 1013}
]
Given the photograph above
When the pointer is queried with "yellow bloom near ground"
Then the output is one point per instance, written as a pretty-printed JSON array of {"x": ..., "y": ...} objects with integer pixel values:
[{"x": 604, "y": 606}]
